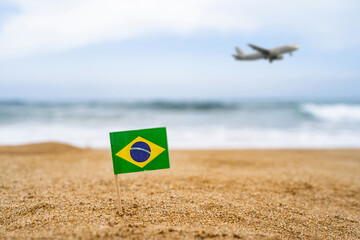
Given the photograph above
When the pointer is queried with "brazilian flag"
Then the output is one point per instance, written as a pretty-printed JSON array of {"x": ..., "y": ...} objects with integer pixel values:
[{"x": 139, "y": 150}]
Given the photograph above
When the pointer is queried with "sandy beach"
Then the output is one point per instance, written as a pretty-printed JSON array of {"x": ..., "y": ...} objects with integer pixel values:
[{"x": 56, "y": 191}]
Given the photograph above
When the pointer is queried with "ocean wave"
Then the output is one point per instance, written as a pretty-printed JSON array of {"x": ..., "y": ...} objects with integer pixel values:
[
  {"x": 11, "y": 102},
  {"x": 153, "y": 104},
  {"x": 183, "y": 105},
  {"x": 190, "y": 124},
  {"x": 334, "y": 112}
]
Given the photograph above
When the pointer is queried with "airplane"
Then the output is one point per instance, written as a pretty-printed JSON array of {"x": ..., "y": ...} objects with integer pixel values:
[{"x": 262, "y": 53}]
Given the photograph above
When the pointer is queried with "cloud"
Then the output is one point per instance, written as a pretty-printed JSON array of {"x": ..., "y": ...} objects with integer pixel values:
[{"x": 42, "y": 26}]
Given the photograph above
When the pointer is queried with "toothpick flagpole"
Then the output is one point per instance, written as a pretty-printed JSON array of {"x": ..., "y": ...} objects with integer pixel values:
[{"x": 118, "y": 192}]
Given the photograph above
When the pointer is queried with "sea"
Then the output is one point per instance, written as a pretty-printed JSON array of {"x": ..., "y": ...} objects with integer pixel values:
[{"x": 190, "y": 124}]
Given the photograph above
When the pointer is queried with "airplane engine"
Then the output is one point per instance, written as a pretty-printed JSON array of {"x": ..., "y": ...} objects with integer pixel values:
[{"x": 277, "y": 57}]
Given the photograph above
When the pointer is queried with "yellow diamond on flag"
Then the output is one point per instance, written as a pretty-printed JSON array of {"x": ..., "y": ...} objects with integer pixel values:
[{"x": 140, "y": 152}]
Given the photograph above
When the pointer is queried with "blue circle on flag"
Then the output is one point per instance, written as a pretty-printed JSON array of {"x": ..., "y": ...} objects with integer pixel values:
[{"x": 140, "y": 151}]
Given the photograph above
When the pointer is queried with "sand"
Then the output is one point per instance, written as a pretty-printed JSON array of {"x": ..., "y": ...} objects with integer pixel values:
[{"x": 56, "y": 191}]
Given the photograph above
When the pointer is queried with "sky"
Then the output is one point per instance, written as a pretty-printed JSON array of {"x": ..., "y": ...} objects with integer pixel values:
[{"x": 164, "y": 49}]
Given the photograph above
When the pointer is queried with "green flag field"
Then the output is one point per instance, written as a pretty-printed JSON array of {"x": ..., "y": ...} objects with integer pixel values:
[{"x": 139, "y": 150}]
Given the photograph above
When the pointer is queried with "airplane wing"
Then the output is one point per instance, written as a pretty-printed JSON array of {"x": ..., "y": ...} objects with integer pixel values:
[{"x": 259, "y": 49}]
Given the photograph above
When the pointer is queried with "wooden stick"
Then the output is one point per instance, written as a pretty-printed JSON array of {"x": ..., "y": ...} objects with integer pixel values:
[{"x": 118, "y": 193}]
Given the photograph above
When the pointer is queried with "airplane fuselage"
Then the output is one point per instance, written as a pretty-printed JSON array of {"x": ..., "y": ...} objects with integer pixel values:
[{"x": 250, "y": 56}]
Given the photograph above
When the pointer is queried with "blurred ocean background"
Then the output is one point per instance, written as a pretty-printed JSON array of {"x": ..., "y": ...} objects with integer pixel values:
[{"x": 190, "y": 124}]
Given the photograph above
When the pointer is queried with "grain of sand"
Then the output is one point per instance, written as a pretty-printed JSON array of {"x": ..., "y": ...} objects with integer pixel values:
[{"x": 56, "y": 191}]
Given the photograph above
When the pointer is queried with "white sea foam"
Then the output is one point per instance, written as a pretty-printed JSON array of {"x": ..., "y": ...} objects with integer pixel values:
[
  {"x": 227, "y": 138},
  {"x": 188, "y": 137},
  {"x": 334, "y": 112}
]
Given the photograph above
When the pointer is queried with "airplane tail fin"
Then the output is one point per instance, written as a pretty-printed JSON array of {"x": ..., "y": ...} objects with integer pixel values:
[{"x": 239, "y": 52}]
